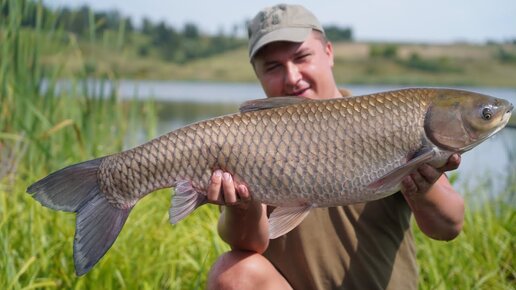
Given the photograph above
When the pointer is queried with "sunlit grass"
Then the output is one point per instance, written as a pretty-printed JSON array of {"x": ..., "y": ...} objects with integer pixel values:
[
  {"x": 151, "y": 253},
  {"x": 36, "y": 247},
  {"x": 482, "y": 256}
]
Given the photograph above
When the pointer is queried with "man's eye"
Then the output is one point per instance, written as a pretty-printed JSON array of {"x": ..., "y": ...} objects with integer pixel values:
[
  {"x": 271, "y": 67},
  {"x": 302, "y": 57}
]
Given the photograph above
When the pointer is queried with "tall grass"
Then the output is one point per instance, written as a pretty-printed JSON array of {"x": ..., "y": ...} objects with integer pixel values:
[
  {"x": 482, "y": 256},
  {"x": 43, "y": 128}
]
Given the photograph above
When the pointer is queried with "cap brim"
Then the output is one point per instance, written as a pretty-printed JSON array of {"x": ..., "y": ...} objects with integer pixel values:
[{"x": 291, "y": 34}]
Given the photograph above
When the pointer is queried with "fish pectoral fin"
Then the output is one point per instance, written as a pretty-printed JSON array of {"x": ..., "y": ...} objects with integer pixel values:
[
  {"x": 269, "y": 103},
  {"x": 283, "y": 219},
  {"x": 185, "y": 200},
  {"x": 393, "y": 178}
]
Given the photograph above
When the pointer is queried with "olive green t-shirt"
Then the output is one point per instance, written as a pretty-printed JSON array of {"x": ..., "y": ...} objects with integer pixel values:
[{"x": 361, "y": 246}]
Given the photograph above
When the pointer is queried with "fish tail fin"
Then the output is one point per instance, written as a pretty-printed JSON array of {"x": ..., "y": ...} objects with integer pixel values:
[
  {"x": 75, "y": 189},
  {"x": 97, "y": 226},
  {"x": 186, "y": 199},
  {"x": 68, "y": 189}
]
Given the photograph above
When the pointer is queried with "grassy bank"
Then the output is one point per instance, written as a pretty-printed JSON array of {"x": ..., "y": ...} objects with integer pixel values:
[
  {"x": 355, "y": 63},
  {"x": 424, "y": 64},
  {"x": 44, "y": 130}
]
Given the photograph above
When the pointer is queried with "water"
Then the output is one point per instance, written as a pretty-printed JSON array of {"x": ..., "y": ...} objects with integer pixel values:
[{"x": 182, "y": 103}]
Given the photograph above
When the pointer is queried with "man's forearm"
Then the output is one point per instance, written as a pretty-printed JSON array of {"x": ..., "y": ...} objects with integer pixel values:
[
  {"x": 439, "y": 212},
  {"x": 245, "y": 228}
]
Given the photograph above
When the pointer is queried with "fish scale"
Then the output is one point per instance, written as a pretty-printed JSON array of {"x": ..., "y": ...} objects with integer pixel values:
[
  {"x": 292, "y": 153},
  {"x": 257, "y": 137}
]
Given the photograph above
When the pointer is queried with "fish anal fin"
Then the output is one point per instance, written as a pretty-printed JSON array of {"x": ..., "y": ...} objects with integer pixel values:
[
  {"x": 186, "y": 199},
  {"x": 283, "y": 219},
  {"x": 394, "y": 178},
  {"x": 269, "y": 103}
]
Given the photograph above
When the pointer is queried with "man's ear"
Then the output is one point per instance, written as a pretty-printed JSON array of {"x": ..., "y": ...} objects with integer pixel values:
[{"x": 329, "y": 52}]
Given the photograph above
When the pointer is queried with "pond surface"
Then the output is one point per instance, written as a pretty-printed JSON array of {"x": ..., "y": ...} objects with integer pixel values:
[{"x": 182, "y": 103}]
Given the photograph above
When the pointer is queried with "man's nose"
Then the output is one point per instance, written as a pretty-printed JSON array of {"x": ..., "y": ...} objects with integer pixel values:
[{"x": 292, "y": 74}]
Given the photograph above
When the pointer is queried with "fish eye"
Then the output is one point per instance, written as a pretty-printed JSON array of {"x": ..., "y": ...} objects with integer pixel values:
[{"x": 487, "y": 114}]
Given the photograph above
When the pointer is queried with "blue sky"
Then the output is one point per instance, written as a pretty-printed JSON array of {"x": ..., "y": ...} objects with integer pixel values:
[{"x": 378, "y": 20}]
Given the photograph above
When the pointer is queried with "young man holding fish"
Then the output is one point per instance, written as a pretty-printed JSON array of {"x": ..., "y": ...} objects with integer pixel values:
[{"x": 361, "y": 246}]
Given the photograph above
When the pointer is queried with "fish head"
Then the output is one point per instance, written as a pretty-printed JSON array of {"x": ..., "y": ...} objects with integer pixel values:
[{"x": 459, "y": 120}]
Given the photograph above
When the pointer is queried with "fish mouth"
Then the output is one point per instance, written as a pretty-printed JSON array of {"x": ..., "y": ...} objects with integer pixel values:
[{"x": 507, "y": 115}]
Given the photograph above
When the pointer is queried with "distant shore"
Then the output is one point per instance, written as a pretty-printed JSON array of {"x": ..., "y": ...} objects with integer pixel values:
[{"x": 355, "y": 63}]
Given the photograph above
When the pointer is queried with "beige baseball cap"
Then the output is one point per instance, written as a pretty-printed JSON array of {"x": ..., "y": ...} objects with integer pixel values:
[{"x": 281, "y": 22}]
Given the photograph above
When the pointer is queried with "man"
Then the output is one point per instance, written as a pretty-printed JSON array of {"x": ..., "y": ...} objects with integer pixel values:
[{"x": 362, "y": 246}]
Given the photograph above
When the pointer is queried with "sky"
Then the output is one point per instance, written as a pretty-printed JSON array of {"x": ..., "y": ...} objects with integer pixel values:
[{"x": 433, "y": 21}]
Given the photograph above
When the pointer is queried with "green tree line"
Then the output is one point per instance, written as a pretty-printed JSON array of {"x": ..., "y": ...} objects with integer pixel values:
[{"x": 170, "y": 43}]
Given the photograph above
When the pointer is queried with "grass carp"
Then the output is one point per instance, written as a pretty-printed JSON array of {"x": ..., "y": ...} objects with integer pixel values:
[{"x": 292, "y": 153}]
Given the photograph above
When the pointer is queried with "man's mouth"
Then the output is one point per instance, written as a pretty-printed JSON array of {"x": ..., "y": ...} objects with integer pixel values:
[{"x": 298, "y": 93}]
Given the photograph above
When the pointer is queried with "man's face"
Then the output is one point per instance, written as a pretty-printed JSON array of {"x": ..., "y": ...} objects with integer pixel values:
[{"x": 297, "y": 69}]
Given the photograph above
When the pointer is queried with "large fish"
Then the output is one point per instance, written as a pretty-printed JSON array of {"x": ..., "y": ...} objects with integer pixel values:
[{"x": 292, "y": 153}]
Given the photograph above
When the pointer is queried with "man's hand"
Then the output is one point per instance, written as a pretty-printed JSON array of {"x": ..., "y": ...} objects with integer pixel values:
[
  {"x": 420, "y": 181},
  {"x": 223, "y": 190},
  {"x": 437, "y": 207},
  {"x": 243, "y": 223}
]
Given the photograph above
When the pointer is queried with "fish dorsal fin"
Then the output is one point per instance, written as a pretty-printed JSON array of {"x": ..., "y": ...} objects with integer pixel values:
[
  {"x": 269, "y": 103},
  {"x": 283, "y": 219},
  {"x": 393, "y": 178}
]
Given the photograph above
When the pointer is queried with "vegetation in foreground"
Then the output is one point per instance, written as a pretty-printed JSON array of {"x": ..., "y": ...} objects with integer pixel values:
[
  {"x": 482, "y": 256},
  {"x": 43, "y": 130},
  {"x": 150, "y": 253}
]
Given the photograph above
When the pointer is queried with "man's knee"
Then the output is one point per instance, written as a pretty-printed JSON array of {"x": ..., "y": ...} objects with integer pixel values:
[{"x": 238, "y": 270}]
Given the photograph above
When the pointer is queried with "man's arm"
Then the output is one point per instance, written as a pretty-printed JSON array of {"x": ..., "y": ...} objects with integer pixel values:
[
  {"x": 243, "y": 223},
  {"x": 437, "y": 207}
]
